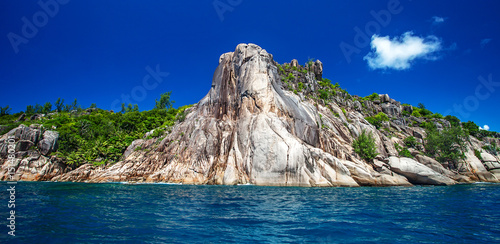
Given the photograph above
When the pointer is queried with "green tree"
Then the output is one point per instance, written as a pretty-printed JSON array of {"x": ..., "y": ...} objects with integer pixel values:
[
  {"x": 364, "y": 146},
  {"x": 38, "y": 108},
  {"x": 5, "y": 110},
  {"x": 130, "y": 108},
  {"x": 67, "y": 108},
  {"x": 447, "y": 145},
  {"x": 124, "y": 109},
  {"x": 164, "y": 102},
  {"x": 421, "y": 106},
  {"x": 30, "y": 110},
  {"x": 454, "y": 121},
  {"x": 93, "y": 105},
  {"x": 47, "y": 107},
  {"x": 471, "y": 128},
  {"x": 59, "y": 105},
  {"x": 74, "y": 105}
]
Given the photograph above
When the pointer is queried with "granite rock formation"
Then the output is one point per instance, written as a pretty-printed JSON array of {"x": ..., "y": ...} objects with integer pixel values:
[{"x": 251, "y": 128}]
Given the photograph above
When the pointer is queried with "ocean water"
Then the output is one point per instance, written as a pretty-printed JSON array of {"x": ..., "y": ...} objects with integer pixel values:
[{"x": 160, "y": 213}]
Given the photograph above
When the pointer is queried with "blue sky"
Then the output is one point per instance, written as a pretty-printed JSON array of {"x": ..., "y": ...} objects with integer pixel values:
[{"x": 108, "y": 52}]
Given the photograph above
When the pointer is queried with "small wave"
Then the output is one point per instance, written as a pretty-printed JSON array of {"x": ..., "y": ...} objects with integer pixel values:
[
  {"x": 142, "y": 183},
  {"x": 247, "y": 184},
  {"x": 485, "y": 183}
]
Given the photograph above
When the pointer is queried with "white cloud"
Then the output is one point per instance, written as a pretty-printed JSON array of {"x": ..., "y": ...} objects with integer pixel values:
[
  {"x": 399, "y": 52},
  {"x": 437, "y": 20},
  {"x": 484, "y": 42},
  {"x": 485, "y": 127}
]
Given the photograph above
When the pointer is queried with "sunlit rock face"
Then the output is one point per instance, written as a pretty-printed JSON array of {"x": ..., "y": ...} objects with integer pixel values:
[{"x": 250, "y": 129}]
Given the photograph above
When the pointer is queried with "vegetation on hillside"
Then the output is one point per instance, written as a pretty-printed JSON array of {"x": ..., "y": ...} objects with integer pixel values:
[
  {"x": 446, "y": 144},
  {"x": 99, "y": 136},
  {"x": 364, "y": 146}
]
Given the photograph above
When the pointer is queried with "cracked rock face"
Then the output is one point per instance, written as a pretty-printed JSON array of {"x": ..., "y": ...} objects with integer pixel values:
[
  {"x": 249, "y": 130},
  {"x": 245, "y": 130}
]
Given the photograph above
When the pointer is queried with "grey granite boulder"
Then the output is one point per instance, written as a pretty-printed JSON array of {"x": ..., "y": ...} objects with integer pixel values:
[
  {"x": 418, "y": 173},
  {"x": 49, "y": 142}
]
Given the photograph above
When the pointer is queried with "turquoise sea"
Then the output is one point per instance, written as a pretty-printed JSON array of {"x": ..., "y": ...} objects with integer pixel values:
[{"x": 49, "y": 212}]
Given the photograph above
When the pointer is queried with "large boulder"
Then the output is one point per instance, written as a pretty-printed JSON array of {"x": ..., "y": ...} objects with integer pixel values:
[
  {"x": 23, "y": 132},
  {"x": 317, "y": 69},
  {"x": 436, "y": 166},
  {"x": 49, "y": 142},
  {"x": 384, "y": 98},
  {"x": 418, "y": 173},
  {"x": 391, "y": 109},
  {"x": 24, "y": 145},
  {"x": 473, "y": 165}
]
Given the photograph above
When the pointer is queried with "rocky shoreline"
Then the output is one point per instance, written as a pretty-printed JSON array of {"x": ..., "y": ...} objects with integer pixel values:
[{"x": 251, "y": 128}]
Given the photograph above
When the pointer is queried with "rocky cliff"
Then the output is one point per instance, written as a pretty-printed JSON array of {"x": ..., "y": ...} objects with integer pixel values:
[{"x": 260, "y": 127}]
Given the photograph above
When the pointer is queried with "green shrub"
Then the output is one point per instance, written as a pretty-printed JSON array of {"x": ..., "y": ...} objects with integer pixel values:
[
  {"x": 372, "y": 97},
  {"x": 437, "y": 116},
  {"x": 280, "y": 68},
  {"x": 416, "y": 113},
  {"x": 326, "y": 83},
  {"x": 410, "y": 142},
  {"x": 492, "y": 149},
  {"x": 377, "y": 119},
  {"x": 364, "y": 146},
  {"x": 447, "y": 145},
  {"x": 471, "y": 128},
  {"x": 324, "y": 94},
  {"x": 424, "y": 112},
  {"x": 454, "y": 121},
  {"x": 344, "y": 112},
  {"x": 429, "y": 126},
  {"x": 478, "y": 154},
  {"x": 300, "y": 87},
  {"x": 403, "y": 151}
]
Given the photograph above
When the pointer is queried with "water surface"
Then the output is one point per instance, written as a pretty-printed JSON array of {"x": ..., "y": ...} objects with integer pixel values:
[{"x": 158, "y": 213}]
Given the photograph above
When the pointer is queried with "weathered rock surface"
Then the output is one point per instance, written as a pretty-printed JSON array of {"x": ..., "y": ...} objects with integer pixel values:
[
  {"x": 49, "y": 142},
  {"x": 418, "y": 173},
  {"x": 436, "y": 166},
  {"x": 250, "y": 129}
]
